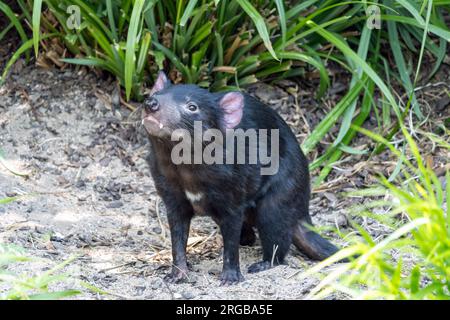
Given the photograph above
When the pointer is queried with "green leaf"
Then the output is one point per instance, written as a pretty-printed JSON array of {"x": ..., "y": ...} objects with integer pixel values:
[
  {"x": 8, "y": 200},
  {"x": 349, "y": 113},
  {"x": 7, "y": 167},
  {"x": 95, "y": 62},
  {"x": 324, "y": 79},
  {"x": 203, "y": 32},
  {"x": 260, "y": 24},
  {"x": 14, "y": 20},
  {"x": 188, "y": 12},
  {"x": 22, "y": 49},
  {"x": 142, "y": 59},
  {"x": 394, "y": 42},
  {"x": 360, "y": 62},
  {"x": 282, "y": 18},
  {"x": 350, "y": 150},
  {"x": 424, "y": 39},
  {"x": 438, "y": 31},
  {"x": 333, "y": 154},
  {"x": 111, "y": 20},
  {"x": 447, "y": 197},
  {"x": 330, "y": 119},
  {"x": 132, "y": 40},
  {"x": 36, "y": 24},
  {"x": 175, "y": 60}
]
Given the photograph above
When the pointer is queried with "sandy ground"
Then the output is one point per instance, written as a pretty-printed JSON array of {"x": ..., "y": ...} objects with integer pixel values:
[{"x": 94, "y": 198}]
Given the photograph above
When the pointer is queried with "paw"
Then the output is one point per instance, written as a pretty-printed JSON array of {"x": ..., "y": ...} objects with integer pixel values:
[
  {"x": 176, "y": 276},
  {"x": 259, "y": 266},
  {"x": 230, "y": 277}
]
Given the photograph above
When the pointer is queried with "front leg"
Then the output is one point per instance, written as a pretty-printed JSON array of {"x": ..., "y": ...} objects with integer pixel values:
[
  {"x": 179, "y": 213},
  {"x": 230, "y": 227},
  {"x": 179, "y": 217}
]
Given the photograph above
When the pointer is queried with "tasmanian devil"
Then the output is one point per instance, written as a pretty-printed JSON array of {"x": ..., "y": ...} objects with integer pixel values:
[{"x": 235, "y": 194}]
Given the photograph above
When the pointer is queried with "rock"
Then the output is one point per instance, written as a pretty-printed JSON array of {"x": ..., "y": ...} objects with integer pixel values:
[
  {"x": 331, "y": 197},
  {"x": 214, "y": 271},
  {"x": 187, "y": 295},
  {"x": 140, "y": 290},
  {"x": 80, "y": 184},
  {"x": 62, "y": 180},
  {"x": 83, "y": 197},
  {"x": 57, "y": 237},
  {"x": 176, "y": 295},
  {"x": 114, "y": 205},
  {"x": 341, "y": 220},
  {"x": 156, "y": 285},
  {"x": 269, "y": 291},
  {"x": 105, "y": 161},
  {"x": 157, "y": 230}
]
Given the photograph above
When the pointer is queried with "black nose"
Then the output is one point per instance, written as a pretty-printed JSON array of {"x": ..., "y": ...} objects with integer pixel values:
[{"x": 151, "y": 104}]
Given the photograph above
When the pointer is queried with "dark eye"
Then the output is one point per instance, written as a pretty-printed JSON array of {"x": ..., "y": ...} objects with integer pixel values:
[{"x": 192, "y": 107}]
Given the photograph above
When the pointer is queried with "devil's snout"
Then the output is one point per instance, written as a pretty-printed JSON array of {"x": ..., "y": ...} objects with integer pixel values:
[{"x": 151, "y": 104}]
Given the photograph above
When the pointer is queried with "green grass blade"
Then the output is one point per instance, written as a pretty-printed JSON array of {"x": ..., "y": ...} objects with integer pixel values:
[
  {"x": 347, "y": 118},
  {"x": 142, "y": 59},
  {"x": 395, "y": 44},
  {"x": 447, "y": 197},
  {"x": 290, "y": 55},
  {"x": 132, "y": 40},
  {"x": 95, "y": 62},
  {"x": 111, "y": 20},
  {"x": 188, "y": 12},
  {"x": 203, "y": 32},
  {"x": 7, "y": 167},
  {"x": 36, "y": 25},
  {"x": 25, "y": 9},
  {"x": 295, "y": 11},
  {"x": 424, "y": 39},
  {"x": 260, "y": 24},
  {"x": 409, "y": 6},
  {"x": 330, "y": 119},
  {"x": 282, "y": 18},
  {"x": 174, "y": 59},
  {"x": 8, "y": 200},
  {"x": 91, "y": 16},
  {"x": 14, "y": 20},
  {"x": 22, "y": 49},
  {"x": 438, "y": 31},
  {"x": 360, "y": 62},
  {"x": 333, "y": 154}
]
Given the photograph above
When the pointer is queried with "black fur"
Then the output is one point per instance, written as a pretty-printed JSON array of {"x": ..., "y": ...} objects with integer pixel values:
[{"x": 237, "y": 197}]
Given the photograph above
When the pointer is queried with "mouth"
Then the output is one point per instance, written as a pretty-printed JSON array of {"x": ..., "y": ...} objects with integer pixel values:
[{"x": 149, "y": 119}]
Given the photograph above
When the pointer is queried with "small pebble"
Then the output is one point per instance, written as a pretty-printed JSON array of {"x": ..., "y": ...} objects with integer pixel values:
[
  {"x": 187, "y": 295},
  {"x": 176, "y": 295},
  {"x": 114, "y": 205},
  {"x": 156, "y": 285}
]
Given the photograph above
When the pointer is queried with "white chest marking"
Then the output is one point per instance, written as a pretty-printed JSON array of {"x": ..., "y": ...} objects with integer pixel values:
[{"x": 194, "y": 197}]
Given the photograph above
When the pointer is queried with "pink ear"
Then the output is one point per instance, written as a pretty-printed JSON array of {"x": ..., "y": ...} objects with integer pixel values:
[
  {"x": 232, "y": 105},
  {"x": 160, "y": 83}
]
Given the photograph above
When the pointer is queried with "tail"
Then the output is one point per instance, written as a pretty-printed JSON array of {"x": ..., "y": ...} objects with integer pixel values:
[{"x": 311, "y": 243}]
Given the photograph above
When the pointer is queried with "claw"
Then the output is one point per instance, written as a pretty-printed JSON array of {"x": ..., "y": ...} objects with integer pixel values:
[
  {"x": 231, "y": 277},
  {"x": 176, "y": 276}
]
